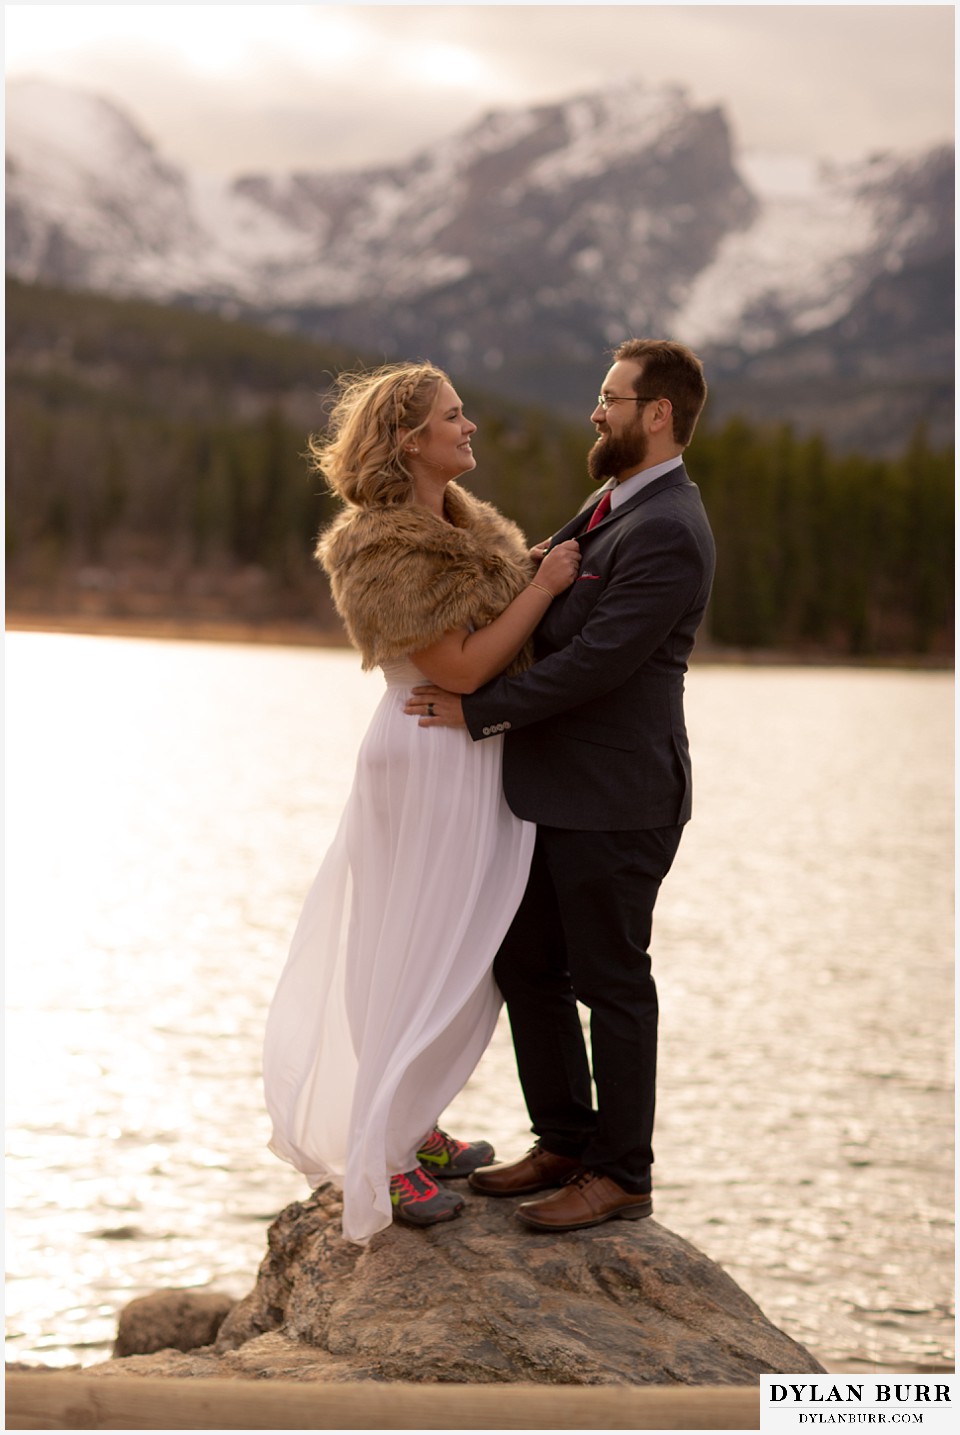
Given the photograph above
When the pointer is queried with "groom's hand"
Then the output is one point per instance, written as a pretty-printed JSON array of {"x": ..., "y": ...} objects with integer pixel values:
[{"x": 435, "y": 707}]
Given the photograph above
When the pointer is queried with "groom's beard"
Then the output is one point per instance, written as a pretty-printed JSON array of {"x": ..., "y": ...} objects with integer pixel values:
[{"x": 611, "y": 455}]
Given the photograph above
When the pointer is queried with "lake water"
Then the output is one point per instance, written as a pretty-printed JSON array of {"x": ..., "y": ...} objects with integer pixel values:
[{"x": 168, "y": 804}]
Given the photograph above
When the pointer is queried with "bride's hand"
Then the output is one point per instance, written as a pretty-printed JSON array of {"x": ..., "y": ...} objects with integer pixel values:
[
  {"x": 435, "y": 707},
  {"x": 539, "y": 550},
  {"x": 560, "y": 567}
]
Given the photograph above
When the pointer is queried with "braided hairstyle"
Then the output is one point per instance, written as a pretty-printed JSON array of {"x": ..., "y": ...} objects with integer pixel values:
[{"x": 373, "y": 416}]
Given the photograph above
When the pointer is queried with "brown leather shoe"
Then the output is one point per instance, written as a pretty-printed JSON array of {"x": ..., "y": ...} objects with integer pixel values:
[
  {"x": 537, "y": 1171},
  {"x": 586, "y": 1200}
]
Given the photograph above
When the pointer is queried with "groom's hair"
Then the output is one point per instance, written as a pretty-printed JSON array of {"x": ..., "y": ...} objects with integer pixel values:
[{"x": 674, "y": 372}]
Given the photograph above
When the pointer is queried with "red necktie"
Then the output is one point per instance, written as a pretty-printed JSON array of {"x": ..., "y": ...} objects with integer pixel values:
[{"x": 601, "y": 510}]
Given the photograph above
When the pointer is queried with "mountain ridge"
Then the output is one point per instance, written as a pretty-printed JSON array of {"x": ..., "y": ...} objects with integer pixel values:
[{"x": 516, "y": 251}]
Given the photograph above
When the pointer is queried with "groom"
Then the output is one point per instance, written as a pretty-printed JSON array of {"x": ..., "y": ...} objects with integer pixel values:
[{"x": 596, "y": 755}]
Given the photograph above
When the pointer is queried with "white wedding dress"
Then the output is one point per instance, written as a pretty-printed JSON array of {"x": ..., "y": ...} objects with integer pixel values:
[{"x": 387, "y": 1000}]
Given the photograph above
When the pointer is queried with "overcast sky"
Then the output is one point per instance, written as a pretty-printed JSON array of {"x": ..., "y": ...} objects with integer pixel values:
[{"x": 230, "y": 88}]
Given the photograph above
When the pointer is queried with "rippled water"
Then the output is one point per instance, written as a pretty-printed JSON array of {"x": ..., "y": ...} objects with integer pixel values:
[{"x": 167, "y": 806}]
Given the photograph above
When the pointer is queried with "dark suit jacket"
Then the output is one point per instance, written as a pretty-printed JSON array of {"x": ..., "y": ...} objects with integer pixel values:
[{"x": 595, "y": 732}]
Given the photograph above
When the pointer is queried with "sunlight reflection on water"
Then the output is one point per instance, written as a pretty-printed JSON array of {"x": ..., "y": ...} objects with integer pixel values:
[{"x": 168, "y": 805}]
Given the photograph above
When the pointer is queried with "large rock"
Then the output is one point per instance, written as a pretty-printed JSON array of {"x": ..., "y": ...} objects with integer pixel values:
[
  {"x": 485, "y": 1299},
  {"x": 480, "y": 1300},
  {"x": 170, "y": 1320}
]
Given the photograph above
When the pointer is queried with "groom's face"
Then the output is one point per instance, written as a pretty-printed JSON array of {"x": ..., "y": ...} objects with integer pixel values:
[{"x": 621, "y": 445}]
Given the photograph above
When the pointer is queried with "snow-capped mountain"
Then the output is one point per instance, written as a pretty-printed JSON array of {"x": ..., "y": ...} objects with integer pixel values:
[
  {"x": 92, "y": 205},
  {"x": 551, "y": 191},
  {"x": 822, "y": 235},
  {"x": 516, "y": 250}
]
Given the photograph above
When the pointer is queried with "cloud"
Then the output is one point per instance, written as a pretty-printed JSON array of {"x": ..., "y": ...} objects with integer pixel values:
[{"x": 232, "y": 88}]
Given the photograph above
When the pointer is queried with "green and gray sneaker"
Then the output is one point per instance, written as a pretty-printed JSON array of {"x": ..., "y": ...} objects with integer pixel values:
[
  {"x": 419, "y": 1201},
  {"x": 447, "y": 1159}
]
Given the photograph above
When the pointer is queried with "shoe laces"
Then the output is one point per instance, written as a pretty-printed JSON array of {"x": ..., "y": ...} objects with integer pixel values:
[
  {"x": 439, "y": 1141},
  {"x": 413, "y": 1186}
]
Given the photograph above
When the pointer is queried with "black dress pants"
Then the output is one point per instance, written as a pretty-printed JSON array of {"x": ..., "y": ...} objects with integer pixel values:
[{"x": 581, "y": 933}]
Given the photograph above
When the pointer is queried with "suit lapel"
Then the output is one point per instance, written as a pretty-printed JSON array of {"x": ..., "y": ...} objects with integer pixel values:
[
  {"x": 582, "y": 516},
  {"x": 573, "y": 529},
  {"x": 673, "y": 479}
]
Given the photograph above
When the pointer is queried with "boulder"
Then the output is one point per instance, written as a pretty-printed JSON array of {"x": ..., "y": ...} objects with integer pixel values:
[
  {"x": 481, "y": 1300},
  {"x": 485, "y": 1299},
  {"x": 171, "y": 1320}
]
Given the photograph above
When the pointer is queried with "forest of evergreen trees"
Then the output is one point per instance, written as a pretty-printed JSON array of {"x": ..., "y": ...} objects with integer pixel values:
[{"x": 155, "y": 466}]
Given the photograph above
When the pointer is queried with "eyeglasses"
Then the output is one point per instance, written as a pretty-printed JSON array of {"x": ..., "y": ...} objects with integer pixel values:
[{"x": 606, "y": 399}]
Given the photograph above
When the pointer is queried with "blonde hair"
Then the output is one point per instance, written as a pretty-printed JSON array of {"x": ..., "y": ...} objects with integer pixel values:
[{"x": 374, "y": 414}]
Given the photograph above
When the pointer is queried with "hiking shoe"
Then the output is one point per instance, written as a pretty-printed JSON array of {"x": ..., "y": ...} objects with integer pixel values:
[
  {"x": 419, "y": 1201},
  {"x": 446, "y": 1159}
]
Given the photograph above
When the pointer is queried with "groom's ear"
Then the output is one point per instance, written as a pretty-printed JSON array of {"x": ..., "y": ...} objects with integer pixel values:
[{"x": 659, "y": 416}]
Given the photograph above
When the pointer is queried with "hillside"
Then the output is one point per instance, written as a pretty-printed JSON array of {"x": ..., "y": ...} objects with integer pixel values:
[
  {"x": 155, "y": 460},
  {"x": 155, "y": 470}
]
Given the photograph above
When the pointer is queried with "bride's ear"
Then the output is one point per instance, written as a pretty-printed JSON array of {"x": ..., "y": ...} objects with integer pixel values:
[{"x": 407, "y": 442}]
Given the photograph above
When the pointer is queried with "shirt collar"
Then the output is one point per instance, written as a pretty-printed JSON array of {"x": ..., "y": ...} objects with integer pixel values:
[{"x": 621, "y": 492}]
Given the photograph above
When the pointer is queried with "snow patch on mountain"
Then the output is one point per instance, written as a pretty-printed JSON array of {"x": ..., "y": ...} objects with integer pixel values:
[
  {"x": 602, "y": 130},
  {"x": 91, "y": 182},
  {"x": 246, "y": 230},
  {"x": 798, "y": 267},
  {"x": 498, "y": 131}
]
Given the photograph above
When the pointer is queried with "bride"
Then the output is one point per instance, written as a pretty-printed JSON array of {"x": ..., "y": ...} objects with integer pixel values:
[{"x": 387, "y": 1000}]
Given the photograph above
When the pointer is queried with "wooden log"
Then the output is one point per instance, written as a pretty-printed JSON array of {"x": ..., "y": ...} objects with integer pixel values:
[{"x": 76, "y": 1402}]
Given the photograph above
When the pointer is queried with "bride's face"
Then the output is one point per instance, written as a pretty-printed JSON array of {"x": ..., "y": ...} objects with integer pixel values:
[{"x": 442, "y": 451}]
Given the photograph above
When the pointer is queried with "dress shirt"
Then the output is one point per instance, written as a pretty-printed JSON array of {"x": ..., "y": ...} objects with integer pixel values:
[{"x": 623, "y": 491}]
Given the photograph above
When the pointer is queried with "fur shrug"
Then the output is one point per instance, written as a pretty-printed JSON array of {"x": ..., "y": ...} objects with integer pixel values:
[{"x": 401, "y": 576}]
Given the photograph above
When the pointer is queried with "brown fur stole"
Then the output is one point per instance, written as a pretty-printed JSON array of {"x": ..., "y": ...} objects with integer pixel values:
[{"x": 401, "y": 576}]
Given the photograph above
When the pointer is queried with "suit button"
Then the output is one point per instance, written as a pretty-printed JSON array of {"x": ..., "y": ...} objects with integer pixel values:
[
  {"x": 486, "y": 732},
  {"x": 506, "y": 725}
]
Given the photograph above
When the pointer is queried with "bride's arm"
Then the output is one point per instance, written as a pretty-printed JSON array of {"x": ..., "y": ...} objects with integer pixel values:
[{"x": 461, "y": 661}]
